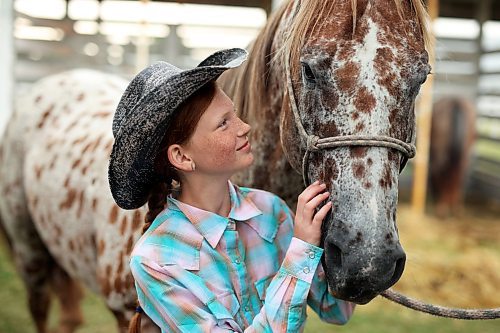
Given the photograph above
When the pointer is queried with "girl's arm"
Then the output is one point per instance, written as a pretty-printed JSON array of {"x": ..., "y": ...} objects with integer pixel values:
[{"x": 307, "y": 223}]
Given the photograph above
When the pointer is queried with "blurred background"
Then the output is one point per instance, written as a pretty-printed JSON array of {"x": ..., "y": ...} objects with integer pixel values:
[{"x": 449, "y": 212}]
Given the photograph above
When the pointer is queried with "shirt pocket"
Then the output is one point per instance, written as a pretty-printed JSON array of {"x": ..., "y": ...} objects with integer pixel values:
[
  {"x": 185, "y": 256},
  {"x": 261, "y": 286},
  {"x": 229, "y": 300},
  {"x": 224, "y": 308}
]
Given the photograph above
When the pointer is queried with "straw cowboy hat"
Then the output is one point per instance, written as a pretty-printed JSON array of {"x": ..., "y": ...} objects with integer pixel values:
[{"x": 142, "y": 118}]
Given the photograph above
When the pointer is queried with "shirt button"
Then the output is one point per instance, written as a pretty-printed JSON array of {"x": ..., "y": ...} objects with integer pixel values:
[
  {"x": 247, "y": 308},
  {"x": 306, "y": 270},
  {"x": 237, "y": 260},
  {"x": 312, "y": 255},
  {"x": 231, "y": 225}
]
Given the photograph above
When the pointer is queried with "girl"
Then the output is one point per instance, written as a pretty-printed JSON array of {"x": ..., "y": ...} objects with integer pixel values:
[{"x": 214, "y": 257}]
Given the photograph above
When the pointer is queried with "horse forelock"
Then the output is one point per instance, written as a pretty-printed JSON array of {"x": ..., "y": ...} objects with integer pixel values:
[
  {"x": 249, "y": 84},
  {"x": 311, "y": 15}
]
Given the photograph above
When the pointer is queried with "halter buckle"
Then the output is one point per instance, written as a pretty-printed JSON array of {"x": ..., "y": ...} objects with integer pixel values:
[{"x": 312, "y": 143}]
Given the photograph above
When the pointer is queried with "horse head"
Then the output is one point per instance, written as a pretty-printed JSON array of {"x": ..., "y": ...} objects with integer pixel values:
[{"x": 353, "y": 69}]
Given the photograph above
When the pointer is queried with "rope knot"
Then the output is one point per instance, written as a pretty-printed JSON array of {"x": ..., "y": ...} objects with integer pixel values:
[
  {"x": 312, "y": 143},
  {"x": 412, "y": 151}
]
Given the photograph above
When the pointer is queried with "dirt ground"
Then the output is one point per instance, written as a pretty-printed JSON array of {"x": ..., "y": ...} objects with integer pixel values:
[{"x": 453, "y": 261}]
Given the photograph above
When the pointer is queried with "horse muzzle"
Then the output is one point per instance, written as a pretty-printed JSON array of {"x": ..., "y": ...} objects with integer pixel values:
[{"x": 359, "y": 272}]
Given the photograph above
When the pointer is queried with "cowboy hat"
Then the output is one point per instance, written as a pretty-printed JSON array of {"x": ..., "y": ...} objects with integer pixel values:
[{"x": 142, "y": 117}]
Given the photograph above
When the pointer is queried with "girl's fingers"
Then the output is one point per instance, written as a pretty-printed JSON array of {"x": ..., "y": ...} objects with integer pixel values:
[
  {"x": 311, "y": 191},
  {"x": 321, "y": 214},
  {"x": 304, "y": 197},
  {"x": 311, "y": 206}
]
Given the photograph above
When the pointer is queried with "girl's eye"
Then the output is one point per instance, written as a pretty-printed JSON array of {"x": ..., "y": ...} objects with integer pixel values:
[{"x": 223, "y": 123}]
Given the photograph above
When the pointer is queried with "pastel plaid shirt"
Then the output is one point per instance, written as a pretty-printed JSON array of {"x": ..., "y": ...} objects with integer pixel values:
[{"x": 196, "y": 271}]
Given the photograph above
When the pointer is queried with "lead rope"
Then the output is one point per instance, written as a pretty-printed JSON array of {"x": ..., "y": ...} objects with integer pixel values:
[
  {"x": 314, "y": 143},
  {"x": 441, "y": 311}
]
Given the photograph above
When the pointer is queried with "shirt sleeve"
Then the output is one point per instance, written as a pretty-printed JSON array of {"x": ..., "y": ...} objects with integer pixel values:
[
  {"x": 328, "y": 308},
  {"x": 284, "y": 307}
]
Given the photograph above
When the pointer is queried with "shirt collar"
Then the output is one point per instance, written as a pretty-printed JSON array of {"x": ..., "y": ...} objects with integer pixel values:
[{"x": 210, "y": 225}]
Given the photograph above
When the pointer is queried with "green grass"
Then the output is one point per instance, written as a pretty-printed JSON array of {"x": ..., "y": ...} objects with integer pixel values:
[
  {"x": 488, "y": 127},
  {"x": 378, "y": 316},
  {"x": 489, "y": 149}
]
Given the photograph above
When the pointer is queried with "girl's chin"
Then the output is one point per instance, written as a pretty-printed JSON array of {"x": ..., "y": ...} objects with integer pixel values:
[
  {"x": 250, "y": 160},
  {"x": 245, "y": 163}
]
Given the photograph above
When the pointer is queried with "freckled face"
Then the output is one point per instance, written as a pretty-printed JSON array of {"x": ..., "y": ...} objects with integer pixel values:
[{"x": 220, "y": 144}]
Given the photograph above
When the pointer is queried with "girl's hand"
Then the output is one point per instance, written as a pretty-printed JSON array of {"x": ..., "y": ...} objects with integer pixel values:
[{"x": 307, "y": 223}]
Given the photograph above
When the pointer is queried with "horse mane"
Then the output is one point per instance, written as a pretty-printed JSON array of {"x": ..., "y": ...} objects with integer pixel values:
[{"x": 250, "y": 84}]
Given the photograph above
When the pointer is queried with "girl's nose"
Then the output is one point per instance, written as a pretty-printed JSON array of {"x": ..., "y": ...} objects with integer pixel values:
[{"x": 244, "y": 128}]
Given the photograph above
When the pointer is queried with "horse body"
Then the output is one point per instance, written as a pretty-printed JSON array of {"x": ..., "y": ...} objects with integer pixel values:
[
  {"x": 59, "y": 214},
  {"x": 452, "y": 138},
  {"x": 56, "y": 205}
]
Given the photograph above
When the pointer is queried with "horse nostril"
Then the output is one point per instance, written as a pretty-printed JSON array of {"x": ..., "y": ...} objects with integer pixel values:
[
  {"x": 333, "y": 255},
  {"x": 398, "y": 269}
]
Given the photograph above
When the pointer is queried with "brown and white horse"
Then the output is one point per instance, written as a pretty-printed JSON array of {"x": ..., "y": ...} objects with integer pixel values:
[{"x": 355, "y": 69}]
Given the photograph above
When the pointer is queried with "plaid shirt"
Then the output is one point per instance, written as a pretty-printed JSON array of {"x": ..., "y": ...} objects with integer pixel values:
[{"x": 196, "y": 271}]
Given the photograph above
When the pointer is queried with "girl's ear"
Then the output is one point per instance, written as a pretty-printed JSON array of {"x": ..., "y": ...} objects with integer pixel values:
[{"x": 179, "y": 159}]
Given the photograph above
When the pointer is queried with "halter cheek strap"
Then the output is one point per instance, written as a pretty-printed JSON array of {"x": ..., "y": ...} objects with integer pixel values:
[{"x": 314, "y": 143}]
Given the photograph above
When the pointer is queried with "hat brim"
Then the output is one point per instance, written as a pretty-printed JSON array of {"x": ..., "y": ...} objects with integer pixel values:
[{"x": 131, "y": 170}]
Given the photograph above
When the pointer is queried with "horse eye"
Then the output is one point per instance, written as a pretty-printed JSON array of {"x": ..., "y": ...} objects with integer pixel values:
[
  {"x": 308, "y": 74},
  {"x": 425, "y": 74}
]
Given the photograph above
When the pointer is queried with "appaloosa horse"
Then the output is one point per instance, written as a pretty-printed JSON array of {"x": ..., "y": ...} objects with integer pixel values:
[
  {"x": 453, "y": 133},
  {"x": 319, "y": 69}
]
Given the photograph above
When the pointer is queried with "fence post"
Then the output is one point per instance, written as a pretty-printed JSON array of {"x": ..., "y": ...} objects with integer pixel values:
[
  {"x": 6, "y": 62},
  {"x": 424, "y": 117}
]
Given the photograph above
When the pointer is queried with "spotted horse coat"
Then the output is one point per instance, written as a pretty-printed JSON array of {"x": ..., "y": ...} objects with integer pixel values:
[{"x": 55, "y": 204}]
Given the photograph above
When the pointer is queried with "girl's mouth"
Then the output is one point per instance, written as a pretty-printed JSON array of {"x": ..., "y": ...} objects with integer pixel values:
[{"x": 244, "y": 147}]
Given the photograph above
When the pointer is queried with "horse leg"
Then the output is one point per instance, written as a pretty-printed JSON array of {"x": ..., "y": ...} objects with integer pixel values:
[
  {"x": 455, "y": 190},
  {"x": 31, "y": 259},
  {"x": 39, "y": 304},
  {"x": 147, "y": 325},
  {"x": 69, "y": 293},
  {"x": 440, "y": 193},
  {"x": 457, "y": 200},
  {"x": 34, "y": 265},
  {"x": 122, "y": 320},
  {"x": 442, "y": 208}
]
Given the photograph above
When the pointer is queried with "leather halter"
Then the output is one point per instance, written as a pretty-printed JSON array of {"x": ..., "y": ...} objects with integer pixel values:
[{"x": 314, "y": 143}]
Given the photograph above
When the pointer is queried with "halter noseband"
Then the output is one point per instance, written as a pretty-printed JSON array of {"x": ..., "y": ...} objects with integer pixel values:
[{"x": 315, "y": 143}]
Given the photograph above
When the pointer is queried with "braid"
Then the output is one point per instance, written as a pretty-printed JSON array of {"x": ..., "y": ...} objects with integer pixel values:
[
  {"x": 156, "y": 203},
  {"x": 135, "y": 322}
]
